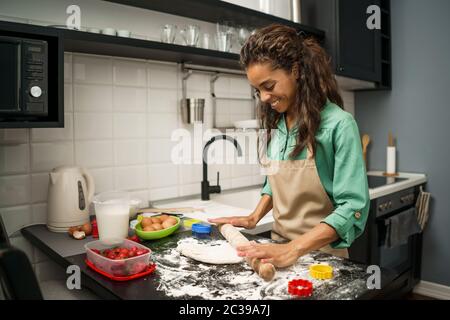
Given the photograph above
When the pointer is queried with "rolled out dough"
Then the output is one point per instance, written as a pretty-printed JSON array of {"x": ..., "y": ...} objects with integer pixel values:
[{"x": 222, "y": 253}]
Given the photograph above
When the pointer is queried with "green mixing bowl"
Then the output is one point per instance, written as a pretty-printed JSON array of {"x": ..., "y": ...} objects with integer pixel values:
[{"x": 153, "y": 235}]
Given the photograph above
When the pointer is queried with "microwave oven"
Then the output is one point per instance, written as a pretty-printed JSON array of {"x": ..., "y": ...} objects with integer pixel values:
[{"x": 23, "y": 78}]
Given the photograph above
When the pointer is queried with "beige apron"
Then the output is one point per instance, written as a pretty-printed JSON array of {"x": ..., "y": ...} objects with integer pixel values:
[{"x": 300, "y": 201}]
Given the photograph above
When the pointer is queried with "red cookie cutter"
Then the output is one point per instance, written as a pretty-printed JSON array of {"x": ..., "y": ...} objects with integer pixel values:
[{"x": 300, "y": 287}]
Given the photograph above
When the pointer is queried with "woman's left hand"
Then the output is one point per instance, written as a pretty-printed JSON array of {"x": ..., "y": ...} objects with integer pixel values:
[{"x": 280, "y": 255}]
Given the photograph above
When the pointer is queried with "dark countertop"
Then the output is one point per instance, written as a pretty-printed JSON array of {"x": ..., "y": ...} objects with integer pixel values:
[{"x": 182, "y": 278}]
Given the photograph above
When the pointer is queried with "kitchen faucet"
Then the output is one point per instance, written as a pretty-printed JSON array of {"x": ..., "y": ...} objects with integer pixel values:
[{"x": 206, "y": 188}]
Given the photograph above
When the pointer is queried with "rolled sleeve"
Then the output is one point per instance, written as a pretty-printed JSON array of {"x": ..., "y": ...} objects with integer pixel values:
[
  {"x": 266, "y": 188},
  {"x": 350, "y": 189}
]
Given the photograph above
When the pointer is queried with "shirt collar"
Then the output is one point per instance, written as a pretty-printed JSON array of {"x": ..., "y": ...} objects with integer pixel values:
[{"x": 282, "y": 122}]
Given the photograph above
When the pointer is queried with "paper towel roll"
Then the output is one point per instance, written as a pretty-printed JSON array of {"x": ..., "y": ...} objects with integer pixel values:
[{"x": 390, "y": 160}]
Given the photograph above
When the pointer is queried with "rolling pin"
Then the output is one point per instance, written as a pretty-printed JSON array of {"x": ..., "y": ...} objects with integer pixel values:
[{"x": 265, "y": 270}]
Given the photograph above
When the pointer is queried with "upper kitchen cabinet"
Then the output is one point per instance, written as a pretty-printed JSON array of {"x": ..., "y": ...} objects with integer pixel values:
[{"x": 357, "y": 52}]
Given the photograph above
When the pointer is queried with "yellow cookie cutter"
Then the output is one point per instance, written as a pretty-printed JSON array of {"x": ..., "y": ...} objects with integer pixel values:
[
  {"x": 188, "y": 223},
  {"x": 321, "y": 271}
]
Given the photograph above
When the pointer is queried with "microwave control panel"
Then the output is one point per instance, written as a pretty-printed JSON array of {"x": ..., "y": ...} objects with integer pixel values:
[{"x": 35, "y": 77}]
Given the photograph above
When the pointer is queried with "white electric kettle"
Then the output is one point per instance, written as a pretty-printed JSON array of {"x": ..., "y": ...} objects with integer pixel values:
[{"x": 70, "y": 192}]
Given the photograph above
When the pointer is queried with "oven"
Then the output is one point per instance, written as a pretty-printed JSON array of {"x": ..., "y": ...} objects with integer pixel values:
[{"x": 373, "y": 247}]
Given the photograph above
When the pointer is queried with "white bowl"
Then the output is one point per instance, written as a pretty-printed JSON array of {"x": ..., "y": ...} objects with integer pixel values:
[
  {"x": 94, "y": 30},
  {"x": 135, "y": 204},
  {"x": 123, "y": 33},
  {"x": 109, "y": 31},
  {"x": 247, "y": 124}
]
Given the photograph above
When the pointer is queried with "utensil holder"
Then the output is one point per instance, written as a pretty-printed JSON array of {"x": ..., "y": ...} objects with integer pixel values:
[{"x": 192, "y": 110}]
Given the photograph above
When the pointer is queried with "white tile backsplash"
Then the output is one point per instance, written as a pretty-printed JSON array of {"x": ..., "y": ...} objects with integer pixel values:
[
  {"x": 162, "y": 175},
  {"x": 163, "y": 101},
  {"x": 130, "y": 125},
  {"x": 68, "y": 97},
  {"x": 130, "y": 73},
  {"x": 48, "y": 155},
  {"x": 161, "y": 125},
  {"x": 15, "y": 136},
  {"x": 130, "y": 178},
  {"x": 163, "y": 193},
  {"x": 190, "y": 173},
  {"x": 90, "y": 126},
  {"x": 39, "y": 187},
  {"x": 240, "y": 88},
  {"x": 160, "y": 150},
  {"x": 104, "y": 179},
  {"x": 39, "y": 213},
  {"x": 130, "y": 152},
  {"x": 94, "y": 153},
  {"x": 162, "y": 76},
  {"x": 241, "y": 182},
  {"x": 129, "y": 99},
  {"x": 67, "y": 67},
  {"x": 14, "y": 159},
  {"x": 92, "y": 69},
  {"x": 92, "y": 98}
]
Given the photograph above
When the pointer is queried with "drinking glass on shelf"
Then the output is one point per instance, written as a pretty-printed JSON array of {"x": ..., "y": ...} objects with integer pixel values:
[
  {"x": 243, "y": 35},
  {"x": 206, "y": 41},
  {"x": 223, "y": 41},
  {"x": 190, "y": 35},
  {"x": 168, "y": 33}
]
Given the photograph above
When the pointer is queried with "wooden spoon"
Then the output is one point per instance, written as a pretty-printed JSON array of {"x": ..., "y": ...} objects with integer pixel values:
[{"x": 365, "y": 143}]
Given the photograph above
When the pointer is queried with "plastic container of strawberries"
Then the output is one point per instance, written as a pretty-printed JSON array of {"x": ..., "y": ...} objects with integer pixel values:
[{"x": 118, "y": 267}]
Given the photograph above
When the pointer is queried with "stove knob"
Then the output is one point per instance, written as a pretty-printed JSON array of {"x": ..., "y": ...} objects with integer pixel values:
[
  {"x": 389, "y": 204},
  {"x": 35, "y": 91}
]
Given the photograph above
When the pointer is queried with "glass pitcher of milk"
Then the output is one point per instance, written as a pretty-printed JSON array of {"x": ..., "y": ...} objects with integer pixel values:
[{"x": 112, "y": 210}]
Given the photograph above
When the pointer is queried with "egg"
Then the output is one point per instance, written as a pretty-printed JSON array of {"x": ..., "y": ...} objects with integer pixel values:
[
  {"x": 156, "y": 220},
  {"x": 163, "y": 217},
  {"x": 157, "y": 226},
  {"x": 149, "y": 228},
  {"x": 172, "y": 219},
  {"x": 167, "y": 224},
  {"x": 146, "y": 222},
  {"x": 87, "y": 228}
]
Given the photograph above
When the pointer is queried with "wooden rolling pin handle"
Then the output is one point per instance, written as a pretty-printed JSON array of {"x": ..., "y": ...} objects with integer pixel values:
[{"x": 265, "y": 270}]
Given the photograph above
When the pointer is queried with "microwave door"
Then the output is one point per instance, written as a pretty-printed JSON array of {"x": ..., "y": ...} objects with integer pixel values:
[{"x": 10, "y": 75}]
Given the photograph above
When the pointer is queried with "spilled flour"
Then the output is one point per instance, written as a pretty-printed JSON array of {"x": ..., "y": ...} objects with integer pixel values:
[{"x": 184, "y": 278}]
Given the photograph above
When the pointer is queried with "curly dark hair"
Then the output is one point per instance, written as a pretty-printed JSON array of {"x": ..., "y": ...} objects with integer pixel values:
[{"x": 284, "y": 48}]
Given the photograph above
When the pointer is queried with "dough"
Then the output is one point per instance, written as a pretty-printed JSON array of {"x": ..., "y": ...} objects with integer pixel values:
[{"x": 222, "y": 253}]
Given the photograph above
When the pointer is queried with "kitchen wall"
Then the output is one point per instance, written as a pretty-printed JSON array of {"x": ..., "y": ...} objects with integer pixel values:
[
  {"x": 417, "y": 112},
  {"x": 119, "y": 117}
]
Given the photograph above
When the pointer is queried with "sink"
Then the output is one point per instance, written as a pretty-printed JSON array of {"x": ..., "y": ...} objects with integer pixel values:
[{"x": 247, "y": 199}]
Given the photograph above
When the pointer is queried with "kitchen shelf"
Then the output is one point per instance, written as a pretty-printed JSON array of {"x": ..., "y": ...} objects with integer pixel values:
[
  {"x": 218, "y": 11},
  {"x": 85, "y": 42}
]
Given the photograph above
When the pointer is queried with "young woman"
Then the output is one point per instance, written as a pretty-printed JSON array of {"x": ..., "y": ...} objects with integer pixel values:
[{"x": 318, "y": 191}]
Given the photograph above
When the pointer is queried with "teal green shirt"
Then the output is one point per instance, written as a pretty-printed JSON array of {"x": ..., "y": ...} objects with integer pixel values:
[{"x": 340, "y": 167}]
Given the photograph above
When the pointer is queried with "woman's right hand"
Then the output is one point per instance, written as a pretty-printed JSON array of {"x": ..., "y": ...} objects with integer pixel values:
[{"x": 247, "y": 222}]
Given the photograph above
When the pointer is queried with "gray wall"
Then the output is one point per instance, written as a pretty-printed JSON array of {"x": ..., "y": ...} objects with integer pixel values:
[{"x": 418, "y": 113}]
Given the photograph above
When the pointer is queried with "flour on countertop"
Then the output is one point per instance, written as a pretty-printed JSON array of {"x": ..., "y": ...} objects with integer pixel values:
[{"x": 182, "y": 277}]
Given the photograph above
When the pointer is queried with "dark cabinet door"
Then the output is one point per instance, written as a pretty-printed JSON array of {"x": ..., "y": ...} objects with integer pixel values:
[{"x": 358, "y": 47}]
